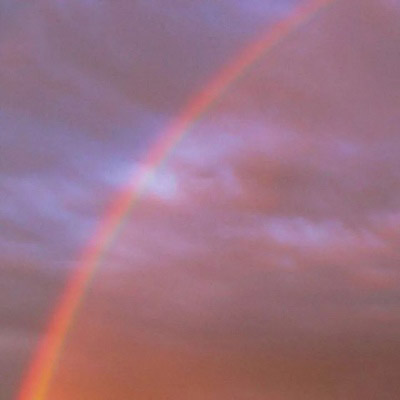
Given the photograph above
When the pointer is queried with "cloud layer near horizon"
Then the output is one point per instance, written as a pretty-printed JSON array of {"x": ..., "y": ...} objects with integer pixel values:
[{"x": 263, "y": 261}]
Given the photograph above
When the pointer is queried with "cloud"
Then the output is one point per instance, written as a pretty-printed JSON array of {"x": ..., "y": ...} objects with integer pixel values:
[{"x": 262, "y": 260}]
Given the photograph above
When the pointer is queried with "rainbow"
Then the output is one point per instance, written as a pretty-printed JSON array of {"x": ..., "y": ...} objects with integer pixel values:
[{"x": 36, "y": 383}]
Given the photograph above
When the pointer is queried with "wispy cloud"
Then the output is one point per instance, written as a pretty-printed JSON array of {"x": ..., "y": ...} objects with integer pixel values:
[{"x": 262, "y": 260}]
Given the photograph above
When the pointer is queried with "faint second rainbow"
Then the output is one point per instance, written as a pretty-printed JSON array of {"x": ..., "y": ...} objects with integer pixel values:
[{"x": 36, "y": 383}]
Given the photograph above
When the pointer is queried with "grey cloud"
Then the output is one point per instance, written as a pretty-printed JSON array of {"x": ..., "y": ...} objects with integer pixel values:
[{"x": 263, "y": 260}]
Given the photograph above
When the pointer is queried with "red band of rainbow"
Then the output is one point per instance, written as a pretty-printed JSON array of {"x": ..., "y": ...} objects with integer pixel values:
[{"x": 37, "y": 381}]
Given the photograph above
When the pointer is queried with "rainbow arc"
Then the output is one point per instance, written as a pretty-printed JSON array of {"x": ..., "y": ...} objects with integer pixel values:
[{"x": 36, "y": 383}]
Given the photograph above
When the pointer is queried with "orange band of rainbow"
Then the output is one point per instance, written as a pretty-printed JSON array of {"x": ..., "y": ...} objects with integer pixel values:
[{"x": 37, "y": 381}]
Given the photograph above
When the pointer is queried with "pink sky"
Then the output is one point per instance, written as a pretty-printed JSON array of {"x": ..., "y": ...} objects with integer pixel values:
[{"x": 263, "y": 262}]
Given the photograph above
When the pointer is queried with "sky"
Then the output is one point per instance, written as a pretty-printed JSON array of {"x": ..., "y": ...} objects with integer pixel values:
[{"x": 262, "y": 262}]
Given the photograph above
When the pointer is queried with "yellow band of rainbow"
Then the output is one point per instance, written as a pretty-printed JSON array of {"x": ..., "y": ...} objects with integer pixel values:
[{"x": 36, "y": 383}]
